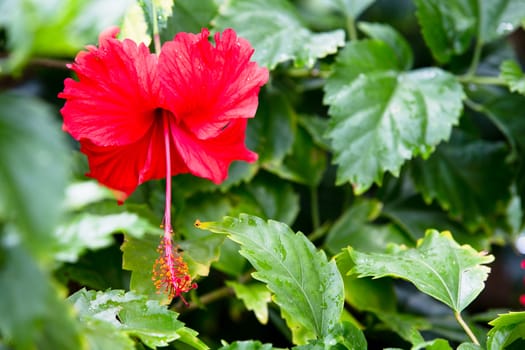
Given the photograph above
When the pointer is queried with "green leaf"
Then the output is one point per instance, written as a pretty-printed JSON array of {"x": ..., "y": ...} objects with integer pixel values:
[
  {"x": 54, "y": 28},
  {"x": 439, "y": 267},
  {"x": 87, "y": 231},
  {"x": 255, "y": 297},
  {"x": 352, "y": 8},
  {"x": 33, "y": 171},
  {"x": 381, "y": 117},
  {"x": 448, "y": 27},
  {"x": 189, "y": 16},
  {"x": 34, "y": 314},
  {"x": 343, "y": 335},
  {"x": 306, "y": 286},
  {"x": 460, "y": 176},
  {"x": 246, "y": 345},
  {"x": 354, "y": 228},
  {"x": 276, "y": 32},
  {"x": 128, "y": 313},
  {"x": 390, "y": 36},
  {"x": 507, "y": 328},
  {"x": 512, "y": 74}
]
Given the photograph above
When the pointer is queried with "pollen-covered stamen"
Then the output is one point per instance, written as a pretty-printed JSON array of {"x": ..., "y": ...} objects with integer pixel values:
[{"x": 170, "y": 271}]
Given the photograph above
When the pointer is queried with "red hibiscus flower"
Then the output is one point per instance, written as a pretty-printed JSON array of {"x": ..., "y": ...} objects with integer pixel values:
[
  {"x": 126, "y": 98},
  {"x": 140, "y": 116}
]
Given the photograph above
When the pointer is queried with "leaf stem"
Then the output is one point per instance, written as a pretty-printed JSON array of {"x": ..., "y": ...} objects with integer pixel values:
[
  {"x": 307, "y": 73},
  {"x": 314, "y": 208},
  {"x": 350, "y": 27},
  {"x": 474, "y": 106},
  {"x": 481, "y": 80},
  {"x": 320, "y": 232},
  {"x": 466, "y": 328},
  {"x": 475, "y": 58},
  {"x": 212, "y": 296},
  {"x": 481, "y": 109},
  {"x": 207, "y": 298}
]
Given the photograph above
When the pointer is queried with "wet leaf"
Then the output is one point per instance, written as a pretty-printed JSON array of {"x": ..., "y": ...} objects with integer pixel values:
[
  {"x": 439, "y": 267},
  {"x": 307, "y": 287},
  {"x": 127, "y": 314},
  {"x": 380, "y": 117}
]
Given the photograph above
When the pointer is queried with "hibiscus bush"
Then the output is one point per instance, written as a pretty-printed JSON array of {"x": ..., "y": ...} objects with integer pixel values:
[{"x": 259, "y": 174}]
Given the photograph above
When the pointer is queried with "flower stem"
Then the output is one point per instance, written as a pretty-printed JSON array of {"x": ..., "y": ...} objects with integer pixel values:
[
  {"x": 156, "y": 32},
  {"x": 466, "y": 328}
]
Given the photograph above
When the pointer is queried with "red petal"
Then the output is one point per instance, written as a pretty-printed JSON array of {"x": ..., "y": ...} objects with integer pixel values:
[
  {"x": 211, "y": 158},
  {"x": 117, "y": 91},
  {"x": 207, "y": 86},
  {"x": 123, "y": 168}
]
